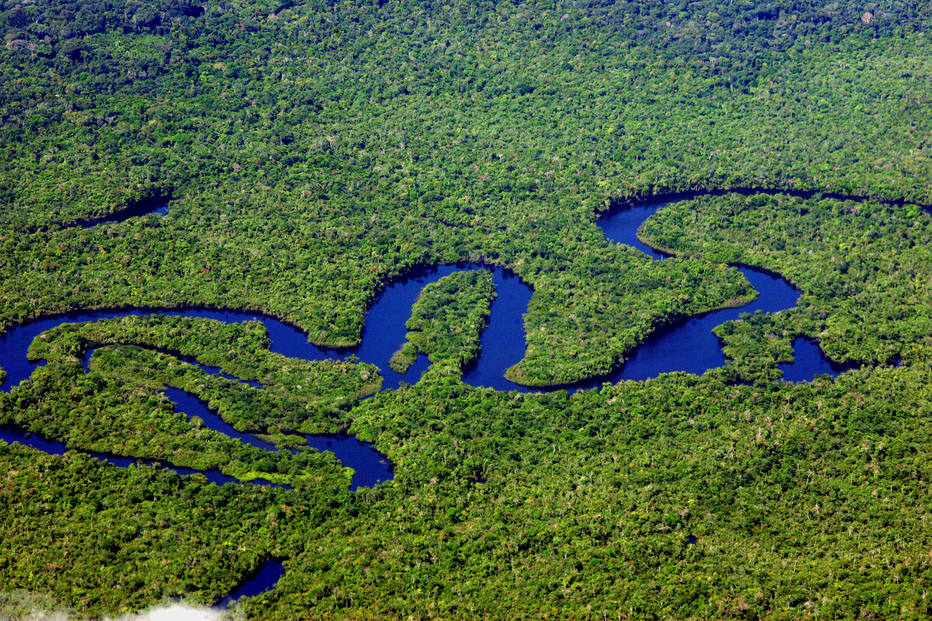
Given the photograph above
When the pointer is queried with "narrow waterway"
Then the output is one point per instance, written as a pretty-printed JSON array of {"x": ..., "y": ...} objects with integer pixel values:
[{"x": 688, "y": 345}]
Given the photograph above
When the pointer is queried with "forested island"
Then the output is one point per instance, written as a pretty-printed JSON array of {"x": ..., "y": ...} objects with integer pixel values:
[{"x": 243, "y": 244}]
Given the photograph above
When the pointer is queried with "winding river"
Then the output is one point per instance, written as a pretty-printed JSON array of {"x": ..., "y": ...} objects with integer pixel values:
[{"x": 688, "y": 345}]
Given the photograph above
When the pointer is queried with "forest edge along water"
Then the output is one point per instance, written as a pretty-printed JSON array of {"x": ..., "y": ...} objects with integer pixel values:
[
  {"x": 503, "y": 339},
  {"x": 687, "y": 345}
]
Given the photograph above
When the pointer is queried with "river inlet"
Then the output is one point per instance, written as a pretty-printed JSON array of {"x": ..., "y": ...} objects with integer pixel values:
[{"x": 688, "y": 345}]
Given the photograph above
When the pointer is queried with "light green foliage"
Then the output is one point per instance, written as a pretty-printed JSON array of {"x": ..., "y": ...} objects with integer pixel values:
[
  {"x": 536, "y": 504},
  {"x": 319, "y": 389},
  {"x": 490, "y": 135},
  {"x": 108, "y": 538}
]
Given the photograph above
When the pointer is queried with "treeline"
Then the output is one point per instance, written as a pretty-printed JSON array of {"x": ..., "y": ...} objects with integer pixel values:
[
  {"x": 93, "y": 538},
  {"x": 321, "y": 390},
  {"x": 338, "y": 132},
  {"x": 864, "y": 268},
  {"x": 811, "y": 494},
  {"x": 62, "y": 402}
]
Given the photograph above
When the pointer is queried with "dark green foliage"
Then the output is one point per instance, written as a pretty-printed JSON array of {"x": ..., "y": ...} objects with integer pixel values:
[
  {"x": 297, "y": 141},
  {"x": 304, "y": 394},
  {"x": 864, "y": 268},
  {"x": 587, "y": 505},
  {"x": 316, "y": 149},
  {"x": 107, "y": 538}
]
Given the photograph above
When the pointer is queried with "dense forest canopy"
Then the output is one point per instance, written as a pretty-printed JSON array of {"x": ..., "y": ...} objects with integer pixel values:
[{"x": 312, "y": 151}]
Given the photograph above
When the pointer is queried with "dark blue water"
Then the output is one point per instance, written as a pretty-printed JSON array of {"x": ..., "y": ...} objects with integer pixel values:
[
  {"x": 384, "y": 331},
  {"x": 622, "y": 227},
  {"x": 369, "y": 465},
  {"x": 188, "y": 404},
  {"x": 15, "y": 343},
  {"x": 503, "y": 341},
  {"x": 690, "y": 345},
  {"x": 809, "y": 361},
  {"x": 209, "y": 370},
  {"x": 12, "y": 434},
  {"x": 383, "y": 334},
  {"x": 157, "y": 206},
  {"x": 371, "y": 468},
  {"x": 86, "y": 364},
  {"x": 263, "y": 580}
]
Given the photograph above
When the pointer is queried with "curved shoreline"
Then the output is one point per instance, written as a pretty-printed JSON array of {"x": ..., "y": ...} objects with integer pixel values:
[
  {"x": 771, "y": 298},
  {"x": 422, "y": 273},
  {"x": 11, "y": 433},
  {"x": 511, "y": 290},
  {"x": 415, "y": 273},
  {"x": 666, "y": 329},
  {"x": 675, "y": 343},
  {"x": 370, "y": 467},
  {"x": 616, "y": 204},
  {"x": 158, "y": 203}
]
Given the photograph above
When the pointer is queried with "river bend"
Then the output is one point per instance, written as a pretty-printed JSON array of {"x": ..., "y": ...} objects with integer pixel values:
[{"x": 688, "y": 345}]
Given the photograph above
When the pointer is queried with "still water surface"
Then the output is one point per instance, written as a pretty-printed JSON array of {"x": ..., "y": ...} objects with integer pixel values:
[{"x": 688, "y": 345}]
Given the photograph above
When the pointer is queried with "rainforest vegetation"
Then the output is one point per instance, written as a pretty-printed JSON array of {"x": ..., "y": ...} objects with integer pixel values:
[
  {"x": 447, "y": 320},
  {"x": 311, "y": 151}
]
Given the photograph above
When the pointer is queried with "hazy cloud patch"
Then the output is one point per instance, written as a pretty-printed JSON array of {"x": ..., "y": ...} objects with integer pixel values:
[
  {"x": 175, "y": 612},
  {"x": 23, "y": 606}
]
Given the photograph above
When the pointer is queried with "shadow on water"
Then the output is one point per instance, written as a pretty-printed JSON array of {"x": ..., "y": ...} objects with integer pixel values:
[
  {"x": 263, "y": 580},
  {"x": 809, "y": 361},
  {"x": 686, "y": 345},
  {"x": 370, "y": 467},
  {"x": 11, "y": 434},
  {"x": 690, "y": 345},
  {"x": 157, "y": 205}
]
